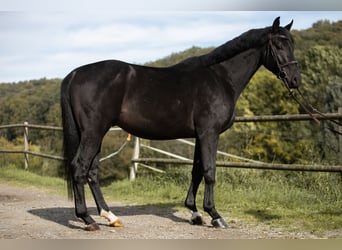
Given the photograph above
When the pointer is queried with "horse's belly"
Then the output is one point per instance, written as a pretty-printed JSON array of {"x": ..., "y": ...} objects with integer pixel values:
[{"x": 157, "y": 126}]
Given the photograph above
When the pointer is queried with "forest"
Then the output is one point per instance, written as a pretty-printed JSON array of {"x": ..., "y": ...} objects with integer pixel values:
[{"x": 318, "y": 51}]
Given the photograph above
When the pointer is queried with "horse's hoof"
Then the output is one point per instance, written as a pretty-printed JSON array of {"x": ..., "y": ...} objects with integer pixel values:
[
  {"x": 196, "y": 219},
  {"x": 116, "y": 223},
  {"x": 219, "y": 223},
  {"x": 92, "y": 227}
]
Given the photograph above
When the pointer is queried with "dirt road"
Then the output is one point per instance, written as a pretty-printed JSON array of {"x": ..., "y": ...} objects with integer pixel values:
[{"x": 29, "y": 213}]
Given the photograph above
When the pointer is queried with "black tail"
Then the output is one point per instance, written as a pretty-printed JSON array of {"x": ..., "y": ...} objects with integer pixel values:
[{"x": 70, "y": 132}]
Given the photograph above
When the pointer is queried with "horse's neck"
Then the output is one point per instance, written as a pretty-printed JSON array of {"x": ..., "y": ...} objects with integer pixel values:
[
  {"x": 250, "y": 39},
  {"x": 241, "y": 68}
]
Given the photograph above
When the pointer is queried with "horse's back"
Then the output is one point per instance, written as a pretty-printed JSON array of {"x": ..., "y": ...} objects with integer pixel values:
[{"x": 155, "y": 103}]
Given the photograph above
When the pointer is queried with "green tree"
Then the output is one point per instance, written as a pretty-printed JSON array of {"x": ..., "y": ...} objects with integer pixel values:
[
  {"x": 322, "y": 72},
  {"x": 320, "y": 65}
]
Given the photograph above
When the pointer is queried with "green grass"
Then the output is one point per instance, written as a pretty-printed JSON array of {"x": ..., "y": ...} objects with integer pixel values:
[
  {"x": 308, "y": 202},
  {"x": 20, "y": 177}
]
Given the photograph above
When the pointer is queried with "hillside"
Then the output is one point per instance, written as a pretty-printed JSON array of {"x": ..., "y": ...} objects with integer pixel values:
[{"x": 323, "y": 33}]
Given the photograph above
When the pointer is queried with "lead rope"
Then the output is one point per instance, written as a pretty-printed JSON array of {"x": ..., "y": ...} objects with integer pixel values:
[
  {"x": 304, "y": 106},
  {"x": 317, "y": 111},
  {"x": 307, "y": 106}
]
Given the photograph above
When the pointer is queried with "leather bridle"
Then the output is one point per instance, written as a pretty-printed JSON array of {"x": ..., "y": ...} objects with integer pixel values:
[
  {"x": 281, "y": 72},
  {"x": 283, "y": 76}
]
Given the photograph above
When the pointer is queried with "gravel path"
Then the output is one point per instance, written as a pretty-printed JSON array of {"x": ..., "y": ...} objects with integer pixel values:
[{"x": 29, "y": 213}]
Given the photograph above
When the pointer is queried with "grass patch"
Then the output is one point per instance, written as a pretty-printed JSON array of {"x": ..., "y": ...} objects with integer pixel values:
[
  {"x": 305, "y": 202},
  {"x": 308, "y": 202},
  {"x": 20, "y": 177}
]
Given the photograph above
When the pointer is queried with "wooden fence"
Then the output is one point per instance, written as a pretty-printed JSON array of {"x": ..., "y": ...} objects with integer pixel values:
[{"x": 137, "y": 160}]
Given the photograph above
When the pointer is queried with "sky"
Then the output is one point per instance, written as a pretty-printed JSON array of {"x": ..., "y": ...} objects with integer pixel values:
[{"x": 50, "y": 42}]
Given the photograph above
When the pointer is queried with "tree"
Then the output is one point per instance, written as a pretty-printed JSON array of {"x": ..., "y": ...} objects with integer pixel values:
[{"x": 322, "y": 67}]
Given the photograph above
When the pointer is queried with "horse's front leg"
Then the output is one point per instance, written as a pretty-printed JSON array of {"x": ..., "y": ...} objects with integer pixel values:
[
  {"x": 208, "y": 144},
  {"x": 102, "y": 207},
  {"x": 197, "y": 176}
]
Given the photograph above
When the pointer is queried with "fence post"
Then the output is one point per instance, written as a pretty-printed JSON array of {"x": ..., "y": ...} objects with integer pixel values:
[
  {"x": 26, "y": 160},
  {"x": 136, "y": 153},
  {"x": 340, "y": 139},
  {"x": 340, "y": 136}
]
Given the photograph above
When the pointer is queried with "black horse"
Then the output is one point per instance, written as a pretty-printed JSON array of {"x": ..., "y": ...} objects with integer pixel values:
[{"x": 192, "y": 99}]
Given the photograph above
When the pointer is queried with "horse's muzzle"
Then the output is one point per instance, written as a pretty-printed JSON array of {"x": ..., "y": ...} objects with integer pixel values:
[{"x": 295, "y": 81}]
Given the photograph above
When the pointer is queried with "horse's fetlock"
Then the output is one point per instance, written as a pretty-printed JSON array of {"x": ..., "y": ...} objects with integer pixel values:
[
  {"x": 208, "y": 209},
  {"x": 190, "y": 205},
  {"x": 112, "y": 218},
  {"x": 81, "y": 213}
]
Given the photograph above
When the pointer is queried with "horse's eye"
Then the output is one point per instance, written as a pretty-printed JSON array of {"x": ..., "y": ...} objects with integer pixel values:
[{"x": 279, "y": 45}]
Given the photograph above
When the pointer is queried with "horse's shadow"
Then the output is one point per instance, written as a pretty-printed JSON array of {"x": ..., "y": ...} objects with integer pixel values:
[{"x": 65, "y": 215}]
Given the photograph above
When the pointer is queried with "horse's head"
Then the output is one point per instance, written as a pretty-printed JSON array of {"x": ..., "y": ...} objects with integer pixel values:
[{"x": 279, "y": 55}]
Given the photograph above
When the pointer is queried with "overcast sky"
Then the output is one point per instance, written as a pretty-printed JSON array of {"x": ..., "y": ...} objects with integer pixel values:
[{"x": 50, "y": 43}]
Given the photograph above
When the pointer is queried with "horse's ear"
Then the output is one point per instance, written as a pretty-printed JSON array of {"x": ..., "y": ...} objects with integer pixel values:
[
  {"x": 288, "y": 27},
  {"x": 276, "y": 24}
]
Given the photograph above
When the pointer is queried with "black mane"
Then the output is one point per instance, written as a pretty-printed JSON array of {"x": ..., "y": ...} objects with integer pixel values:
[{"x": 250, "y": 39}]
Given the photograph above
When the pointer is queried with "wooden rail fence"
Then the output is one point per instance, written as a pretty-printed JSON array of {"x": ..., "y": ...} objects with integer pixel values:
[{"x": 136, "y": 160}]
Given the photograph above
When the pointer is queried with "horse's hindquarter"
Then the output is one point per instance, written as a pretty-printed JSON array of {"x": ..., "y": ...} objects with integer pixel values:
[{"x": 96, "y": 93}]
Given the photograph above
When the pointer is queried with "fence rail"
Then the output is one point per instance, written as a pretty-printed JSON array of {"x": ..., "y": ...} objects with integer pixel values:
[
  {"x": 265, "y": 166},
  {"x": 53, "y": 157},
  {"x": 27, "y": 152},
  {"x": 181, "y": 160},
  {"x": 27, "y": 125},
  {"x": 295, "y": 117},
  {"x": 251, "y": 163}
]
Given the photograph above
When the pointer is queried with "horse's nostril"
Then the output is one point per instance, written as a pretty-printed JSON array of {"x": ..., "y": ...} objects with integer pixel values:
[{"x": 295, "y": 80}]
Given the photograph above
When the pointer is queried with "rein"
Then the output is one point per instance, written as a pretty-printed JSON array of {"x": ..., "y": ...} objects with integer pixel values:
[{"x": 309, "y": 109}]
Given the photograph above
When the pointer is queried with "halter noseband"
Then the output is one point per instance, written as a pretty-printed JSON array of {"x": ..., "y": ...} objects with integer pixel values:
[{"x": 281, "y": 73}]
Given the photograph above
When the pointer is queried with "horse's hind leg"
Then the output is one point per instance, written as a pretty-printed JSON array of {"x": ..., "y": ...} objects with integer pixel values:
[
  {"x": 81, "y": 208},
  {"x": 102, "y": 207},
  {"x": 87, "y": 150}
]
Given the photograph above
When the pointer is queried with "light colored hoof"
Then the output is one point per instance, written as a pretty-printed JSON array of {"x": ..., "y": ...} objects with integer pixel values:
[{"x": 116, "y": 223}]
